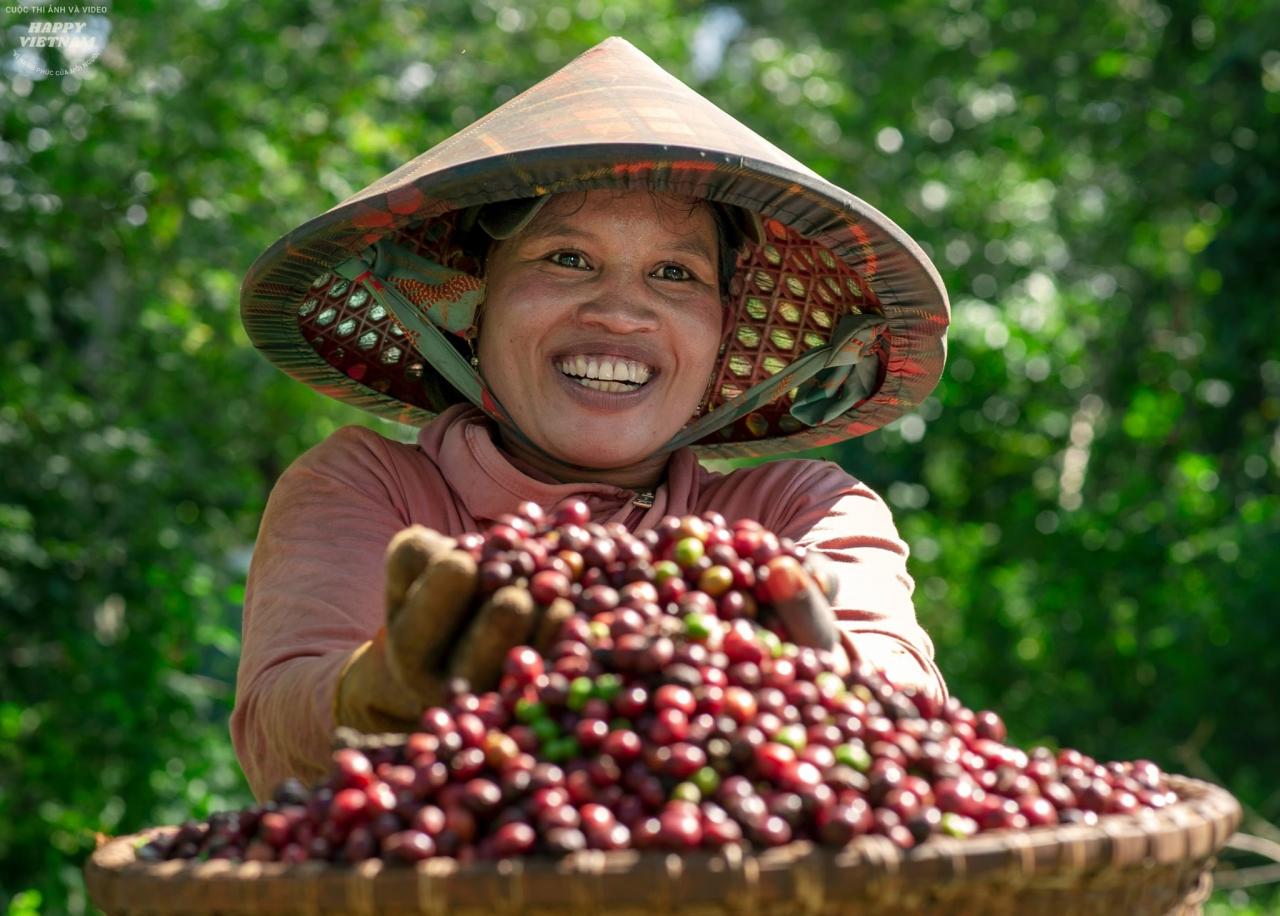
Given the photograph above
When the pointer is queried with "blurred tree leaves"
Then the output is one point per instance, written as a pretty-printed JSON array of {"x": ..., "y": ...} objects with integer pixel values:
[{"x": 1090, "y": 494}]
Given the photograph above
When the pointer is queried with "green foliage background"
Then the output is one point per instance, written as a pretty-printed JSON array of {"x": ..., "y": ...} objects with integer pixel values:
[{"x": 1091, "y": 494}]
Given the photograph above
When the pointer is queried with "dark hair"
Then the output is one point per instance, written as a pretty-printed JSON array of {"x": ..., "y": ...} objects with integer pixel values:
[{"x": 731, "y": 239}]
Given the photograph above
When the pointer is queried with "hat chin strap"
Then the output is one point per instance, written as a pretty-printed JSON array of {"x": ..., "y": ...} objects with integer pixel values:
[
  {"x": 830, "y": 379},
  {"x": 453, "y": 297}
]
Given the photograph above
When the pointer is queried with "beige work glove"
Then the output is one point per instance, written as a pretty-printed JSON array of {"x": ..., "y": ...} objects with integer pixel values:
[
  {"x": 802, "y": 594},
  {"x": 803, "y": 602},
  {"x": 431, "y": 635}
]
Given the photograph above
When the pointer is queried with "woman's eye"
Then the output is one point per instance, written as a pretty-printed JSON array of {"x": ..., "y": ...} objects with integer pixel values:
[
  {"x": 571, "y": 259},
  {"x": 673, "y": 272}
]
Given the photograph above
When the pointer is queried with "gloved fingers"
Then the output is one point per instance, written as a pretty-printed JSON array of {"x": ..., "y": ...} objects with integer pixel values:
[
  {"x": 547, "y": 630},
  {"x": 368, "y": 696},
  {"x": 802, "y": 605},
  {"x": 431, "y": 614},
  {"x": 408, "y": 555},
  {"x": 505, "y": 621}
]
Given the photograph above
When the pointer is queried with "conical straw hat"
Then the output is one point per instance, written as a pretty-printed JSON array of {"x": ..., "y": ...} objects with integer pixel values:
[{"x": 839, "y": 319}]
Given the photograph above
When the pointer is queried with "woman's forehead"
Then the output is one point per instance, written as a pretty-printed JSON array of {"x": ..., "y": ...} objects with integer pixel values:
[{"x": 580, "y": 209}]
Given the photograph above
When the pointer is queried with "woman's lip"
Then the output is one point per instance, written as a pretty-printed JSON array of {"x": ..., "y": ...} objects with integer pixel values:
[{"x": 607, "y": 400}]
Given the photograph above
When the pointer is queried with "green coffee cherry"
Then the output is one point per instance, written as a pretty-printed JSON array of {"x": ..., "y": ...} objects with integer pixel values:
[
  {"x": 854, "y": 755},
  {"x": 688, "y": 551},
  {"x": 528, "y": 711}
]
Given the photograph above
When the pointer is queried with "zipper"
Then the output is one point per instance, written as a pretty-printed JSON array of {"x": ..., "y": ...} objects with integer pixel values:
[{"x": 642, "y": 501}]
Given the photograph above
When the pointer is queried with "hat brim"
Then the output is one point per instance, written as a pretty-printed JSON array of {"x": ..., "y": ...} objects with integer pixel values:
[
  {"x": 903, "y": 279},
  {"x": 612, "y": 118}
]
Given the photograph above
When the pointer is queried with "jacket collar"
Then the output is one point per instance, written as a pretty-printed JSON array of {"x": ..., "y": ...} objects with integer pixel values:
[{"x": 488, "y": 482}]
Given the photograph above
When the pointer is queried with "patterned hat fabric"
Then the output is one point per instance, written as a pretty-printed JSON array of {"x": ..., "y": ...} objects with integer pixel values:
[{"x": 838, "y": 319}]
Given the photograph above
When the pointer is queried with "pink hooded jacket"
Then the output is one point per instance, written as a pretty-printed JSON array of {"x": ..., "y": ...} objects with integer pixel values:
[{"x": 315, "y": 589}]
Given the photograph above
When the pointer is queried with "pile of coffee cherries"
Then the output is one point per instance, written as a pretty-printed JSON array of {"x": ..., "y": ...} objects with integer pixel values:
[{"x": 671, "y": 713}]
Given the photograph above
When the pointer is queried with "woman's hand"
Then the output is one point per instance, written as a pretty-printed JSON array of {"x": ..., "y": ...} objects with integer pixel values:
[
  {"x": 429, "y": 637},
  {"x": 802, "y": 595}
]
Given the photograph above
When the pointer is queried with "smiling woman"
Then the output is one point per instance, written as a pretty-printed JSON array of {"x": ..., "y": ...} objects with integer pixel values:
[
  {"x": 575, "y": 298},
  {"x": 600, "y": 328}
]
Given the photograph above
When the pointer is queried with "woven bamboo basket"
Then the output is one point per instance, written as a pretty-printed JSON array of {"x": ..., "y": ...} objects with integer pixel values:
[{"x": 1157, "y": 863}]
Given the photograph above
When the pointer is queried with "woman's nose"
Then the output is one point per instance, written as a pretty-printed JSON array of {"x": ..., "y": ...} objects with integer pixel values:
[{"x": 620, "y": 306}]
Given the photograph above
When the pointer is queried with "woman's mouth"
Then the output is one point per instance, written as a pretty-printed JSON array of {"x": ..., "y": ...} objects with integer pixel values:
[{"x": 605, "y": 373}]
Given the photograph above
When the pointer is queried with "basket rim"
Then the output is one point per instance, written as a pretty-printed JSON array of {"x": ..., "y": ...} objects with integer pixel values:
[{"x": 1187, "y": 833}]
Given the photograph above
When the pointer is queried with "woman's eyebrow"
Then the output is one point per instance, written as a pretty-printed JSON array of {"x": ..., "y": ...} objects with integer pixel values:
[
  {"x": 563, "y": 228},
  {"x": 694, "y": 246},
  {"x": 555, "y": 227}
]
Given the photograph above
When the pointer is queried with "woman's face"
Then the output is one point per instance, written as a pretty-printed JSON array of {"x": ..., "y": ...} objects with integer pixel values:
[{"x": 602, "y": 322}]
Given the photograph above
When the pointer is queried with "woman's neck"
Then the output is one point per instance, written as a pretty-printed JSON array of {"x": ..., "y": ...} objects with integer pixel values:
[{"x": 643, "y": 475}]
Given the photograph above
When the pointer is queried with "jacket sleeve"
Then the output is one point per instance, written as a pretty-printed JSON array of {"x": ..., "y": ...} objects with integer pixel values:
[
  {"x": 826, "y": 510},
  {"x": 314, "y": 594}
]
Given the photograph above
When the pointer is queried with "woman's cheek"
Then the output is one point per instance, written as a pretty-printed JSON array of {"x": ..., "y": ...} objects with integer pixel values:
[{"x": 708, "y": 334}]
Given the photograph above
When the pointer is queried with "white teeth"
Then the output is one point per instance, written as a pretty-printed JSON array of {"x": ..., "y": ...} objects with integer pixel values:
[
  {"x": 600, "y": 385},
  {"x": 619, "y": 374}
]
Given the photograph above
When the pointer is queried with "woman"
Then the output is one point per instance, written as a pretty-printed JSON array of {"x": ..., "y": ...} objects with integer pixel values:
[{"x": 580, "y": 292}]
